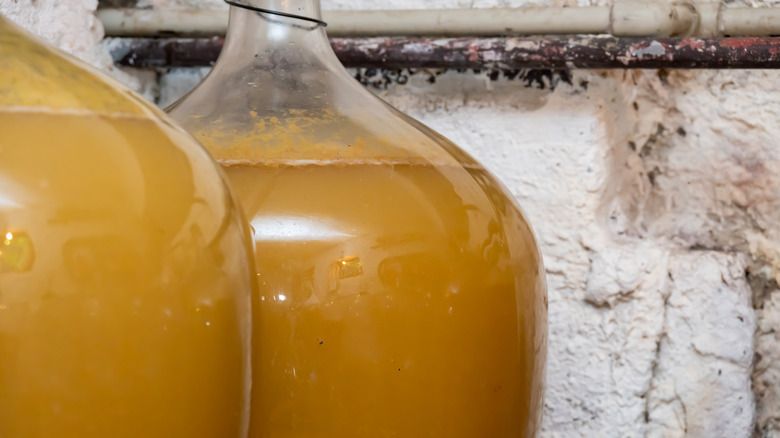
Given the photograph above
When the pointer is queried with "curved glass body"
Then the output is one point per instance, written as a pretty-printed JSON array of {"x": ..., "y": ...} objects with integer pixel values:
[
  {"x": 401, "y": 289},
  {"x": 125, "y": 267}
]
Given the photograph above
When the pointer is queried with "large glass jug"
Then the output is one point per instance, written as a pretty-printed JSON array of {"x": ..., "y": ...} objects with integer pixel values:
[
  {"x": 125, "y": 266},
  {"x": 401, "y": 289}
]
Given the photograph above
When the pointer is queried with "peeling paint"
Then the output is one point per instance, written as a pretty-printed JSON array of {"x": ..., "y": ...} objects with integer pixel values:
[{"x": 655, "y": 49}]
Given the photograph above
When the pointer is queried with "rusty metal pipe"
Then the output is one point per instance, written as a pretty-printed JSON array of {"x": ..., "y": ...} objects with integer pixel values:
[{"x": 488, "y": 53}]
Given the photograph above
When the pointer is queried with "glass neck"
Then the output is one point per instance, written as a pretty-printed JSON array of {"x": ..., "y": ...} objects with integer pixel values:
[
  {"x": 304, "y": 8},
  {"x": 263, "y": 38}
]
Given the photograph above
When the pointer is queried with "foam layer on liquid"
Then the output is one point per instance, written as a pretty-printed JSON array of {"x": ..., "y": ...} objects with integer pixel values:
[
  {"x": 314, "y": 136},
  {"x": 340, "y": 162}
]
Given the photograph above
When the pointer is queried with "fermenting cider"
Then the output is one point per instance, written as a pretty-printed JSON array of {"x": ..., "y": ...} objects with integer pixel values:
[
  {"x": 401, "y": 290},
  {"x": 125, "y": 265},
  {"x": 397, "y": 299},
  {"x": 119, "y": 307}
]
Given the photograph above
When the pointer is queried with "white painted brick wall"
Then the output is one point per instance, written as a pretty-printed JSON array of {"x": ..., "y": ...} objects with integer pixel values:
[{"x": 656, "y": 199}]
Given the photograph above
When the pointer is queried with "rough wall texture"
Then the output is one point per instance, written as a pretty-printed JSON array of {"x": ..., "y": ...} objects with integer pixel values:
[{"x": 655, "y": 196}]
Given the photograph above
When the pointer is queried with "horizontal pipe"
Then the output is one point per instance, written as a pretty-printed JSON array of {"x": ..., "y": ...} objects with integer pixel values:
[
  {"x": 651, "y": 18},
  {"x": 163, "y": 22},
  {"x": 487, "y": 53},
  {"x": 498, "y": 21},
  {"x": 744, "y": 23},
  {"x": 625, "y": 18}
]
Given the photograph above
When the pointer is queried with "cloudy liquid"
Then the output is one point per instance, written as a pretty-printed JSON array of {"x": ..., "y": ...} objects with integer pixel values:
[
  {"x": 397, "y": 299},
  {"x": 123, "y": 302}
]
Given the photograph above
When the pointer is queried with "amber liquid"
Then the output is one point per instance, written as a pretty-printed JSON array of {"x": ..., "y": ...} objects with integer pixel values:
[
  {"x": 123, "y": 301},
  {"x": 398, "y": 300}
]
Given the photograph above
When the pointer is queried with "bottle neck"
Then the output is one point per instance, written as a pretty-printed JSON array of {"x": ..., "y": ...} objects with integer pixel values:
[
  {"x": 303, "y": 8},
  {"x": 264, "y": 38}
]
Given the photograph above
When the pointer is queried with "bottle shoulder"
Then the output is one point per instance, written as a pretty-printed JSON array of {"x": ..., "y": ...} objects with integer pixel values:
[
  {"x": 35, "y": 77},
  {"x": 302, "y": 112},
  {"x": 53, "y": 105},
  {"x": 126, "y": 167},
  {"x": 114, "y": 192}
]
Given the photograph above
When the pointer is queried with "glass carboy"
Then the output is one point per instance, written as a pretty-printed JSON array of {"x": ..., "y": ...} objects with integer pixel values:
[
  {"x": 126, "y": 268},
  {"x": 401, "y": 288}
]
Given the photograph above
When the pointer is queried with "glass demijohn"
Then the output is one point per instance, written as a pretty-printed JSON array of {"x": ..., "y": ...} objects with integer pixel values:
[
  {"x": 125, "y": 266},
  {"x": 401, "y": 288}
]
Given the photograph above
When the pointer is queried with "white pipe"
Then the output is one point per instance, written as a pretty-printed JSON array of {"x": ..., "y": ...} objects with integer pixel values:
[
  {"x": 709, "y": 19},
  {"x": 653, "y": 18},
  {"x": 650, "y": 18},
  {"x": 499, "y": 21},
  {"x": 155, "y": 22},
  {"x": 744, "y": 22}
]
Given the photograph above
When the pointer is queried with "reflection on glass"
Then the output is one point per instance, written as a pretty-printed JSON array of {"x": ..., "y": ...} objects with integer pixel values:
[
  {"x": 293, "y": 228},
  {"x": 16, "y": 252},
  {"x": 350, "y": 266}
]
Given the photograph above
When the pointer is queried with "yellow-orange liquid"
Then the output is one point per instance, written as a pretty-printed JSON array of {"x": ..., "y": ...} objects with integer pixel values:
[
  {"x": 397, "y": 299},
  {"x": 124, "y": 297}
]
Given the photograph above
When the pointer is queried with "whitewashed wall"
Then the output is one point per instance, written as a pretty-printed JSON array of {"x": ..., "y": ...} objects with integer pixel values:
[{"x": 656, "y": 198}]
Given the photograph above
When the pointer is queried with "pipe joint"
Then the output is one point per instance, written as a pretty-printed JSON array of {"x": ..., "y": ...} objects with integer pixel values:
[
  {"x": 709, "y": 23},
  {"x": 652, "y": 18}
]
